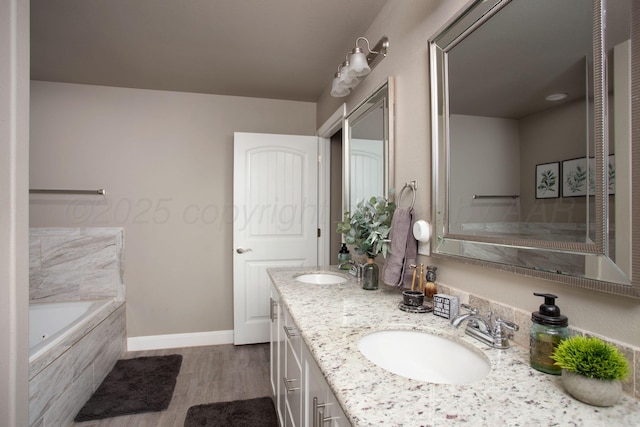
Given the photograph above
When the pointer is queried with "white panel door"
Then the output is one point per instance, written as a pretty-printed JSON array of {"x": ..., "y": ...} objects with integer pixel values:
[
  {"x": 367, "y": 168},
  {"x": 275, "y": 196}
]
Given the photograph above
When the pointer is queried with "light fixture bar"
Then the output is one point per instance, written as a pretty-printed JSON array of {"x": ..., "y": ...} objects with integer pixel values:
[{"x": 378, "y": 52}]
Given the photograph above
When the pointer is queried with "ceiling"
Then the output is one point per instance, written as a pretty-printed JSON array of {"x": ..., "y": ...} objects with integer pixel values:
[
  {"x": 526, "y": 51},
  {"x": 279, "y": 49}
]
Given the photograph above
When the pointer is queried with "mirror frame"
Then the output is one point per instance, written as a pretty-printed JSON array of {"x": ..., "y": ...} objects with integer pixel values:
[
  {"x": 468, "y": 19},
  {"x": 385, "y": 94}
]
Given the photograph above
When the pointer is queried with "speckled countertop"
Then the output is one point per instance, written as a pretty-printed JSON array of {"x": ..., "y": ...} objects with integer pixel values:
[{"x": 331, "y": 319}]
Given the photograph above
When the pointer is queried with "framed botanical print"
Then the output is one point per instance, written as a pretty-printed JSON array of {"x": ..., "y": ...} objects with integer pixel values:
[
  {"x": 548, "y": 180},
  {"x": 575, "y": 177}
]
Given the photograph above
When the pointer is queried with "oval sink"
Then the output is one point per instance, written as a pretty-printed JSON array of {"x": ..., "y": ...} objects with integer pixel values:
[
  {"x": 425, "y": 357},
  {"x": 321, "y": 279}
]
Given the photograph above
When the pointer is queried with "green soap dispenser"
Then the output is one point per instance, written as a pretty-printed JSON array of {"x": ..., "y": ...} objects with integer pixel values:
[
  {"x": 343, "y": 257},
  {"x": 549, "y": 327}
]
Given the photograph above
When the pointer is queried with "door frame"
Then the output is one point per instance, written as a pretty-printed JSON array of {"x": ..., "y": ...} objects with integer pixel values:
[{"x": 332, "y": 125}]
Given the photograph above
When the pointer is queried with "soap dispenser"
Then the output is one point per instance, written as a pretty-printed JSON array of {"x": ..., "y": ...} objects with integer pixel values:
[
  {"x": 549, "y": 327},
  {"x": 344, "y": 257}
]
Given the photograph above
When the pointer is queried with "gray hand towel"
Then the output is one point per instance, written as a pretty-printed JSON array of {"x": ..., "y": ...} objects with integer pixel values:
[{"x": 403, "y": 250}]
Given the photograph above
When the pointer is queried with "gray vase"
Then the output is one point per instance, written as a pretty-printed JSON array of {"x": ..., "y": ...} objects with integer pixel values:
[{"x": 592, "y": 390}]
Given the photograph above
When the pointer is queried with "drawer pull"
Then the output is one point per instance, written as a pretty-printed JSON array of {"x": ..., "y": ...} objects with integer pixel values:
[
  {"x": 318, "y": 416},
  {"x": 315, "y": 412},
  {"x": 273, "y": 310},
  {"x": 290, "y": 331},
  {"x": 286, "y": 385}
]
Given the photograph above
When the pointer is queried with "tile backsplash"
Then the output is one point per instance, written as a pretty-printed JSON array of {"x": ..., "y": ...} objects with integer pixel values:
[
  {"x": 71, "y": 264},
  {"x": 521, "y": 337}
]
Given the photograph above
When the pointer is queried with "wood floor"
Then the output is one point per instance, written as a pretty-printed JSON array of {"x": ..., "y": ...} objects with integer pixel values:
[{"x": 208, "y": 374}]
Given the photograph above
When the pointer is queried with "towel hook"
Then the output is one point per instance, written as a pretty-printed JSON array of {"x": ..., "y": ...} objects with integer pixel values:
[{"x": 413, "y": 186}]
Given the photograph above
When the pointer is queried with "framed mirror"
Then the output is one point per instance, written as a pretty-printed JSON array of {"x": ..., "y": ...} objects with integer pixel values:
[
  {"x": 532, "y": 140},
  {"x": 368, "y": 148}
]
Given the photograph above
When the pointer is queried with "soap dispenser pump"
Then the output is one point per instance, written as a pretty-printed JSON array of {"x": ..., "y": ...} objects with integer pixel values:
[{"x": 549, "y": 327}]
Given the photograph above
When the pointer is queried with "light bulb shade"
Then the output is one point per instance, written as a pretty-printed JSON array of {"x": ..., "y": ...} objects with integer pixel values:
[
  {"x": 347, "y": 81},
  {"x": 337, "y": 89},
  {"x": 358, "y": 65}
]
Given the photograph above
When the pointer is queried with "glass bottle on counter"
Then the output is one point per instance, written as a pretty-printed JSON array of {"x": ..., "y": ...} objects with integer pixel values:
[
  {"x": 370, "y": 273},
  {"x": 549, "y": 327}
]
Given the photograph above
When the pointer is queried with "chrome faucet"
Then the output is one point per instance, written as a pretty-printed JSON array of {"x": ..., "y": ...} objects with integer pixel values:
[
  {"x": 485, "y": 329},
  {"x": 355, "y": 269}
]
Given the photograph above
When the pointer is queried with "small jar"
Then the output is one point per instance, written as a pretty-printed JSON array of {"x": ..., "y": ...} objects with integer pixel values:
[
  {"x": 431, "y": 273},
  {"x": 370, "y": 273}
]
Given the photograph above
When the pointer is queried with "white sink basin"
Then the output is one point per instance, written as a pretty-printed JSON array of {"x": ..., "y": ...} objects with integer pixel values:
[
  {"x": 425, "y": 357},
  {"x": 321, "y": 279}
]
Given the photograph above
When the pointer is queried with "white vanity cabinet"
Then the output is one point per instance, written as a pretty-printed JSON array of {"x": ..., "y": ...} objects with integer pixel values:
[{"x": 303, "y": 397}]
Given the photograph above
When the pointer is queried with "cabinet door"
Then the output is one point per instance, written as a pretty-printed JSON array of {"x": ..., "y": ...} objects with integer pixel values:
[
  {"x": 292, "y": 383},
  {"x": 314, "y": 392},
  {"x": 277, "y": 354},
  {"x": 292, "y": 378},
  {"x": 320, "y": 408}
]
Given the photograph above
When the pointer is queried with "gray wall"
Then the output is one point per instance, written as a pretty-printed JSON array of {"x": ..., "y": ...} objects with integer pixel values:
[
  {"x": 166, "y": 161},
  {"x": 409, "y": 24}
]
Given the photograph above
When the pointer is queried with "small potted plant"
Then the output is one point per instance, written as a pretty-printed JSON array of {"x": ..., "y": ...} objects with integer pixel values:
[
  {"x": 592, "y": 370},
  {"x": 367, "y": 227}
]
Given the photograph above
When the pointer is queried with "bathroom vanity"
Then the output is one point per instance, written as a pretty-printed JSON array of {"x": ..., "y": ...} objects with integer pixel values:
[
  {"x": 315, "y": 359},
  {"x": 303, "y": 397}
]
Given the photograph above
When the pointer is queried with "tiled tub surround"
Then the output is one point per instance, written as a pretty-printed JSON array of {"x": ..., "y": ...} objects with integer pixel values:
[
  {"x": 331, "y": 319},
  {"x": 76, "y": 264},
  {"x": 71, "y": 264}
]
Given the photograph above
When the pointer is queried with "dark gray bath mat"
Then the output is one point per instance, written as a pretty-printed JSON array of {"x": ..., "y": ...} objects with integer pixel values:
[
  {"x": 143, "y": 384},
  {"x": 258, "y": 412}
]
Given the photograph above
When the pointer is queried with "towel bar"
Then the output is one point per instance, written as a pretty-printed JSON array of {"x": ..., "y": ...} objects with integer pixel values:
[
  {"x": 496, "y": 196},
  {"x": 100, "y": 192}
]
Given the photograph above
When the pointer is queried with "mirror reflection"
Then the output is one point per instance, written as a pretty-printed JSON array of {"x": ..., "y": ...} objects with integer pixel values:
[
  {"x": 367, "y": 148},
  {"x": 532, "y": 146},
  {"x": 506, "y": 138},
  {"x": 367, "y": 155}
]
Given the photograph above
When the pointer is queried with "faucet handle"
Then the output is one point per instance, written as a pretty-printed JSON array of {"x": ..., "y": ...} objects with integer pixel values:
[
  {"x": 467, "y": 307},
  {"x": 499, "y": 324}
]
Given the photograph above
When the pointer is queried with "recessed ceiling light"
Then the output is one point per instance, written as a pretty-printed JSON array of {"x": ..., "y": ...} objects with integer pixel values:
[{"x": 556, "y": 97}]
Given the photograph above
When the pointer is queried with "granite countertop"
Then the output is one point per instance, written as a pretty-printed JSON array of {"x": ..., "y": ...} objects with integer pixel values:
[{"x": 331, "y": 319}]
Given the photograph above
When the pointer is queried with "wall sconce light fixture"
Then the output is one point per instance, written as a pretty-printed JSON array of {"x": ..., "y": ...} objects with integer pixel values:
[{"x": 357, "y": 66}]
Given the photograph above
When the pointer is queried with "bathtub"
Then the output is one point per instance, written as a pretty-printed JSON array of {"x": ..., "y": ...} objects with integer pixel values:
[
  {"x": 50, "y": 323},
  {"x": 72, "y": 346}
]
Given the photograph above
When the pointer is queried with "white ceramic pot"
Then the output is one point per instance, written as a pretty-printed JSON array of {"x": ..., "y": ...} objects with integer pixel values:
[{"x": 592, "y": 390}]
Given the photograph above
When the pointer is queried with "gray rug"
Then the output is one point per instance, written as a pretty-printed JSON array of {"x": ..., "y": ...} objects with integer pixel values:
[
  {"x": 258, "y": 412},
  {"x": 143, "y": 384}
]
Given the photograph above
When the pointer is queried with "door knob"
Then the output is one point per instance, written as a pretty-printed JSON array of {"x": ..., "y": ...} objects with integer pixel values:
[{"x": 243, "y": 250}]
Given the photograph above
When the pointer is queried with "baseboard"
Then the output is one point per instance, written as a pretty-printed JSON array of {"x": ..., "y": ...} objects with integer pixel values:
[{"x": 194, "y": 339}]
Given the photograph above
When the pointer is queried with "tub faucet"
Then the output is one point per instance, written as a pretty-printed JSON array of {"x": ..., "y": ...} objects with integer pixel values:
[{"x": 485, "y": 329}]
